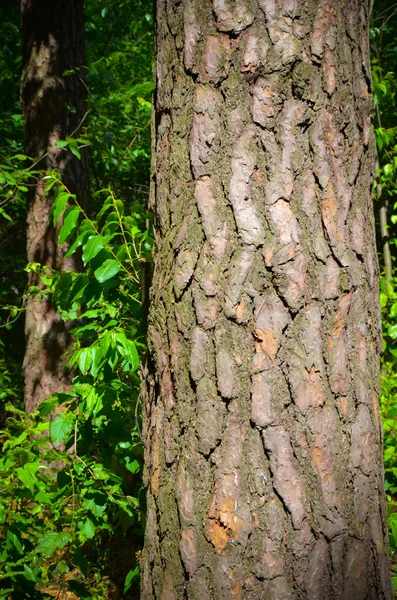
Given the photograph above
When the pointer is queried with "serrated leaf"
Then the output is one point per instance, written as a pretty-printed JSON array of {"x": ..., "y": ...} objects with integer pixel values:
[
  {"x": 46, "y": 407},
  {"x": 92, "y": 247},
  {"x": 70, "y": 220},
  {"x": 50, "y": 542},
  {"x": 109, "y": 269},
  {"x": 61, "y": 426}
]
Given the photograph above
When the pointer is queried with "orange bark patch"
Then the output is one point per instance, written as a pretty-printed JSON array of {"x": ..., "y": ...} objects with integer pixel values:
[
  {"x": 241, "y": 311},
  {"x": 342, "y": 402},
  {"x": 267, "y": 342},
  {"x": 237, "y": 591},
  {"x": 230, "y": 520},
  {"x": 217, "y": 534},
  {"x": 223, "y": 525}
]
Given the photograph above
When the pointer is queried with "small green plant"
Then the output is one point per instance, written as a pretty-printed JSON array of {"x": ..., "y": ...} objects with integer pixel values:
[{"x": 59, "y": 527}]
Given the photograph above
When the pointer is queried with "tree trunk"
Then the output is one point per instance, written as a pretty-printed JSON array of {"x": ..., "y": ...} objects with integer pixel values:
[
  {"x": 262, "y": 429},
  {"x": 54, "y": 106}
]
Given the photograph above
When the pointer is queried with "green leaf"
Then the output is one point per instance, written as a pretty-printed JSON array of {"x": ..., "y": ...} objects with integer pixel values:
[
  {"x": 87, "y": 528},
  {"x": 46, "y": 407},
  {"x": 27, "y": 474},
  {"x": 69, "y": 223},
  {"x": 127, "y": 350},
  {"x": 131, "y": 576},
  {"x": 14, "y": 536},
  {"x": 109, "y": 269},
  {"x": 61, "y": 426},
  {"x": 51, "y": 183},
  {"x": 43, "y": 497},
  {"x": 50, "y": 542},
  {"x": 74, "y": 150},
  {"x": 59, "y": 205},
  {"x": 85, "y": 360},
  {"x": 392, "y": 331},
  {"x": 383, "y": 299},
  {"x": 92, "y": 247},
  {"x": 91, "y": 401},
  {"x": 29, "y": 575},
  {"x": 96, "y": 509},
  {"x": 62, "y": 143},
  {"x": 394, "y": 582},
  {"x": 5, "y": 215},
  {"x": 133, "y": 466},
  {"x": 80, "y": 241}
]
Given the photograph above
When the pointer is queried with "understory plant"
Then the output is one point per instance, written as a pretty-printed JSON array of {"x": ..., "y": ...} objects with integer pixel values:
[{"x": 70, "y": 472}]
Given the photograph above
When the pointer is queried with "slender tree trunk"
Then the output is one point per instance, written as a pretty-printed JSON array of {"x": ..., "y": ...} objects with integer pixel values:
[
  {"x": 54, "y": 106},
  {"x": 262, "y": 428}
]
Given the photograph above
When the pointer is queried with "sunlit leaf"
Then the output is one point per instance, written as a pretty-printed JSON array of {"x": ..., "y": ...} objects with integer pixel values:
[
  {"x": 61, "y": 426},
  {"x": 109, "y": 269},
  {"x": 50, "y": 542},
  {"x": 70, "y": 220},
  {"x": 92, "y": 247}
]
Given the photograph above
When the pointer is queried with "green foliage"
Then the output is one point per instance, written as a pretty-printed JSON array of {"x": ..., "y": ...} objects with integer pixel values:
[
  {"x": 388, "y": 401},
  {"x": 384, "y": 79},
  {"x": 66, "y": 528},
  {"x": 120, "y": 80},
  {"x": 91, "y": 430},
  {"x": 384, "y": 54}
]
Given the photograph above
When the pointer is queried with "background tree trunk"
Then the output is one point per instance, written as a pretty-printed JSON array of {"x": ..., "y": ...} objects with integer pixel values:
[
  {"x": 54, "y": 106},
  {"x": 262, "y": 429}
]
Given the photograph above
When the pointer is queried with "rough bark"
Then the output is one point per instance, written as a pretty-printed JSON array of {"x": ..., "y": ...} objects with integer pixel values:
[
  {"x": 54, "y": 106},
  {"x": 262, "y": 429}
]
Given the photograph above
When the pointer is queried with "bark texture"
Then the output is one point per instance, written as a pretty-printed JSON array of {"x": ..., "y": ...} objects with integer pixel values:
[
  {"x": 262, "y": 429},
  {"x": 54, "y": 106}
]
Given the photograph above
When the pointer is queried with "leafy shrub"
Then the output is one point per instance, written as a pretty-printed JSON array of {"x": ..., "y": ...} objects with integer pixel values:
[{"x": 60, "y": 528}]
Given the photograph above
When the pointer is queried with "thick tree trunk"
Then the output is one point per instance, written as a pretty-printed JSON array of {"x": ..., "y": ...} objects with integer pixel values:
[
  {"x": 262, "y": 429},
  {"x": 54, "y": 105}
]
